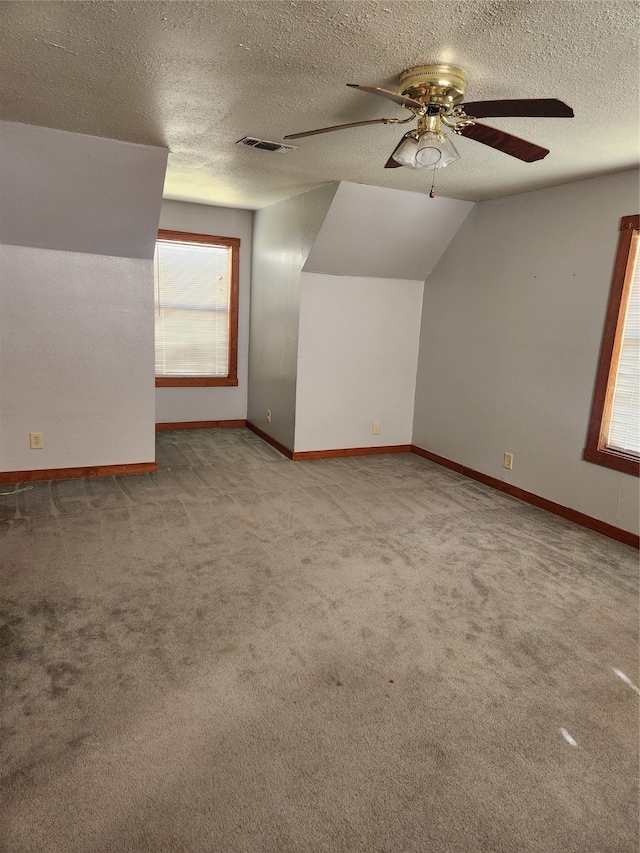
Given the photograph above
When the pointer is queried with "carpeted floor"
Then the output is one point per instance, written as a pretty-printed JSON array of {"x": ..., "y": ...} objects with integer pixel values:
[{"x": 244, "y": 654}]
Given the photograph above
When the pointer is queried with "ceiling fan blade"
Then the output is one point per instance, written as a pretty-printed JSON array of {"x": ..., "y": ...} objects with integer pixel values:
[
  {"x": 533, "y": 107},
  {"x": 498, "y": 139},
  {"x": 392, "y": 96},
  {"x": 335, "y": 127},
  {"x": 391, "y": 163}
]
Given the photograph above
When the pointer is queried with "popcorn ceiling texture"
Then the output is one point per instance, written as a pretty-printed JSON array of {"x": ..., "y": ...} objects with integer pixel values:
[{"x": 197, "y": 76}]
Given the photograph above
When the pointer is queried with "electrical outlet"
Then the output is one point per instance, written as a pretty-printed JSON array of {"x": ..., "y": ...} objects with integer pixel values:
[
  {"x": 268, "y": 416},
  {"x": 35, "y": 441},
  {"x": 508, "y": 461},
  {"x": 375, "y": 430}
]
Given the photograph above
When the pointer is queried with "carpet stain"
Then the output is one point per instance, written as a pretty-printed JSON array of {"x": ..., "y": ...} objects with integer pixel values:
[
  {"x": 10, "y": 634},
  {"x": 62, "y": 677},
  {"x": 483, "y": 590}
]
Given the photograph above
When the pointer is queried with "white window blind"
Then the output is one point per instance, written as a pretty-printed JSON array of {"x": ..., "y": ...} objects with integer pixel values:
[
  {"x": 192, "y": 301},
  {"x": 624, "y": 426}
]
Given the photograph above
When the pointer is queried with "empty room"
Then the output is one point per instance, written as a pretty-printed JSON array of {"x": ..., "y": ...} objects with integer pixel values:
[{"x": 319, "y": 426}]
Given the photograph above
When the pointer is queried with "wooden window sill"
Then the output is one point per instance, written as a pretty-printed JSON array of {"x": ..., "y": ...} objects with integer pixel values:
[
  {"x": 196, "y": 381},
  {"x": 613, "y": 459}
]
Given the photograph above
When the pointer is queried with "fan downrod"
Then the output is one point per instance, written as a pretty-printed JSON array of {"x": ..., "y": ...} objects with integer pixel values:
[{"x": 444, "y": 85}]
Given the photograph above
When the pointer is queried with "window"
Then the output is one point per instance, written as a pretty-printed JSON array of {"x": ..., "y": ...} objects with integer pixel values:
[
  {"x": 614, "y": 430},
  {"x": 196, "y": 309}
]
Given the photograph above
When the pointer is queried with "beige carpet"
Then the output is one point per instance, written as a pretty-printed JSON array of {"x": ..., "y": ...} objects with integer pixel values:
[{"x": 244, "y": 654}]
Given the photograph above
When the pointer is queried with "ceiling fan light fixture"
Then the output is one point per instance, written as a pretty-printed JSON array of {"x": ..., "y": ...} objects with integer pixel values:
[
  {"x": 435, "y": 150},
  {"x": 434, "y": 95},
  {"x": 405, "y": 153}
]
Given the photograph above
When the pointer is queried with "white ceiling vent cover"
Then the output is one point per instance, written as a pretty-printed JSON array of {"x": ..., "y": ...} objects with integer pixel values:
[{"x": 263, "y": 145}]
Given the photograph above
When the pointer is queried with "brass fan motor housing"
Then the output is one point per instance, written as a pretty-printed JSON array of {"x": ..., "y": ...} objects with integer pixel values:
[{"x": 444, "y": 85}]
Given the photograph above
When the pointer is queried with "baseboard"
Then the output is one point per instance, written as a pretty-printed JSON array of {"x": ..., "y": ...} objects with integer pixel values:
[
  {"x": 341, "y": 453},
  {"x": 78, "y": 473},
  {"x": 270, "y": 440},
  {"x": 580, "y": 518},
  {"x": 201, "y": 425}
]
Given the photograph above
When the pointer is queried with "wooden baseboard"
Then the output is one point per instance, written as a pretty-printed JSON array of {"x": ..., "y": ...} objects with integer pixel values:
[
  {"x": 341, "y": 453},
  {"x": 78, "y": 473},
  {"x": 529, "y": 497},
  {"x": 270, "y": 440},
  {"x": 232, "y": 424}
]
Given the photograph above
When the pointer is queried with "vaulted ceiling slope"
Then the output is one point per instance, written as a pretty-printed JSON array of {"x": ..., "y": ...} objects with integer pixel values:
[
  {"x": 379, "y": 232},
  {"x": 77, "y": 193},
  {"x": 196, "y": 77}
]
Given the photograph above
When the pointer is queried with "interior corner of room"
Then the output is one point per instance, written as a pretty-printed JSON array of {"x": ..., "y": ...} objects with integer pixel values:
[
  {"x": 371, "y": 318},
  {"x": 329, "y": 544},
  {"x": 477, "y": 335}
]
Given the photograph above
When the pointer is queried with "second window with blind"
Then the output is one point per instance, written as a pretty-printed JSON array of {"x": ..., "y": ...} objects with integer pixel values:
[
  {"x": 196, "y": 279},
  {"x": 614, "y": 430}
]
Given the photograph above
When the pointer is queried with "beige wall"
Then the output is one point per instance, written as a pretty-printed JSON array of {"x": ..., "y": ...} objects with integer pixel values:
[{"x": 511, "y": 328}]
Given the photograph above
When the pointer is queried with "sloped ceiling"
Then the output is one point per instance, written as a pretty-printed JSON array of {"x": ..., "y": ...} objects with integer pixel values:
[
  {"x": 385, "y": 233},
  {"x": 197, "y": 76},
  {"x": 50, "y": 181}
]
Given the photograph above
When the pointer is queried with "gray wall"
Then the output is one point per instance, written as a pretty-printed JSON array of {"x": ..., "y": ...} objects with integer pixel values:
[
  {"x": 78, "y": 222},
  {"x": 379, "y": 232},
  {"x": 511, "y": 329},
  {"x": 74, "y": 193},
  {"x": 283, "y": 235},
  {"x": 212, "y": 404},
  {"x": 357, "y": 360}
]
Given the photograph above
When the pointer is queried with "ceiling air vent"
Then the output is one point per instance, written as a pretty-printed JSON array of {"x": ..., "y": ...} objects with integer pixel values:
[{"x": 263, "y": 145}]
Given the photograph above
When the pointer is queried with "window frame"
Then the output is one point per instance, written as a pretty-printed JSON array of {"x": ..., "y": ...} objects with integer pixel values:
[
  {"x": 596, "y": 450},
  {"x": 232, "y": 243}
]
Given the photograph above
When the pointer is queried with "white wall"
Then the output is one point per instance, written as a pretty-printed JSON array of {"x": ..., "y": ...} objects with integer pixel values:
[
  {"x": 357, "y": 359},
  {"x": 212, "y": 404},
  {"x": 78, "y": 219},
  {"x": 511, "y": 329},
  {"x": 282, "y": 238}
]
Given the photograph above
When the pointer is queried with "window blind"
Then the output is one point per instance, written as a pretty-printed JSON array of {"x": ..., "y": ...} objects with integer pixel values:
[
  {"x": 624, "y": 426},
  {"x": 192, "y": 294}
]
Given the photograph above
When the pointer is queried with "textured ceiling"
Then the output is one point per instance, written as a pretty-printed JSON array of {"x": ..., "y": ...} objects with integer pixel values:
[{"x": 196, "y": 77}]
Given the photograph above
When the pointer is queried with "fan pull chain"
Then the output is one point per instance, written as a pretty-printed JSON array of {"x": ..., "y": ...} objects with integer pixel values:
[{"x": 432, "y": 194}]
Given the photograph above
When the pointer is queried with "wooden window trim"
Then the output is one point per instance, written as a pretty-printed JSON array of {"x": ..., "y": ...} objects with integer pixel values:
[
  {"x": 595, "y": 450},
  {"x": 234, "y": 292}
]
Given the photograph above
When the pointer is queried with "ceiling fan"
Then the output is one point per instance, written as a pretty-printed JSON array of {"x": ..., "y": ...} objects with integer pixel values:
[{"x": 434, "y": 96}]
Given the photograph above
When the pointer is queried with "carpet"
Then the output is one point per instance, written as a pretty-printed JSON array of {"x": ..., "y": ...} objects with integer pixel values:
[{"x": 242, "y": 654}]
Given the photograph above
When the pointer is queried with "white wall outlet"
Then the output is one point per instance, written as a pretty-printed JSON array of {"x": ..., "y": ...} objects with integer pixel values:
[
  {"x": 375, "y": 430},
  {"x": 268, "y": 416},
  {"x": 35, "y": 441},
  {"x": 508, "y": 461}
]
